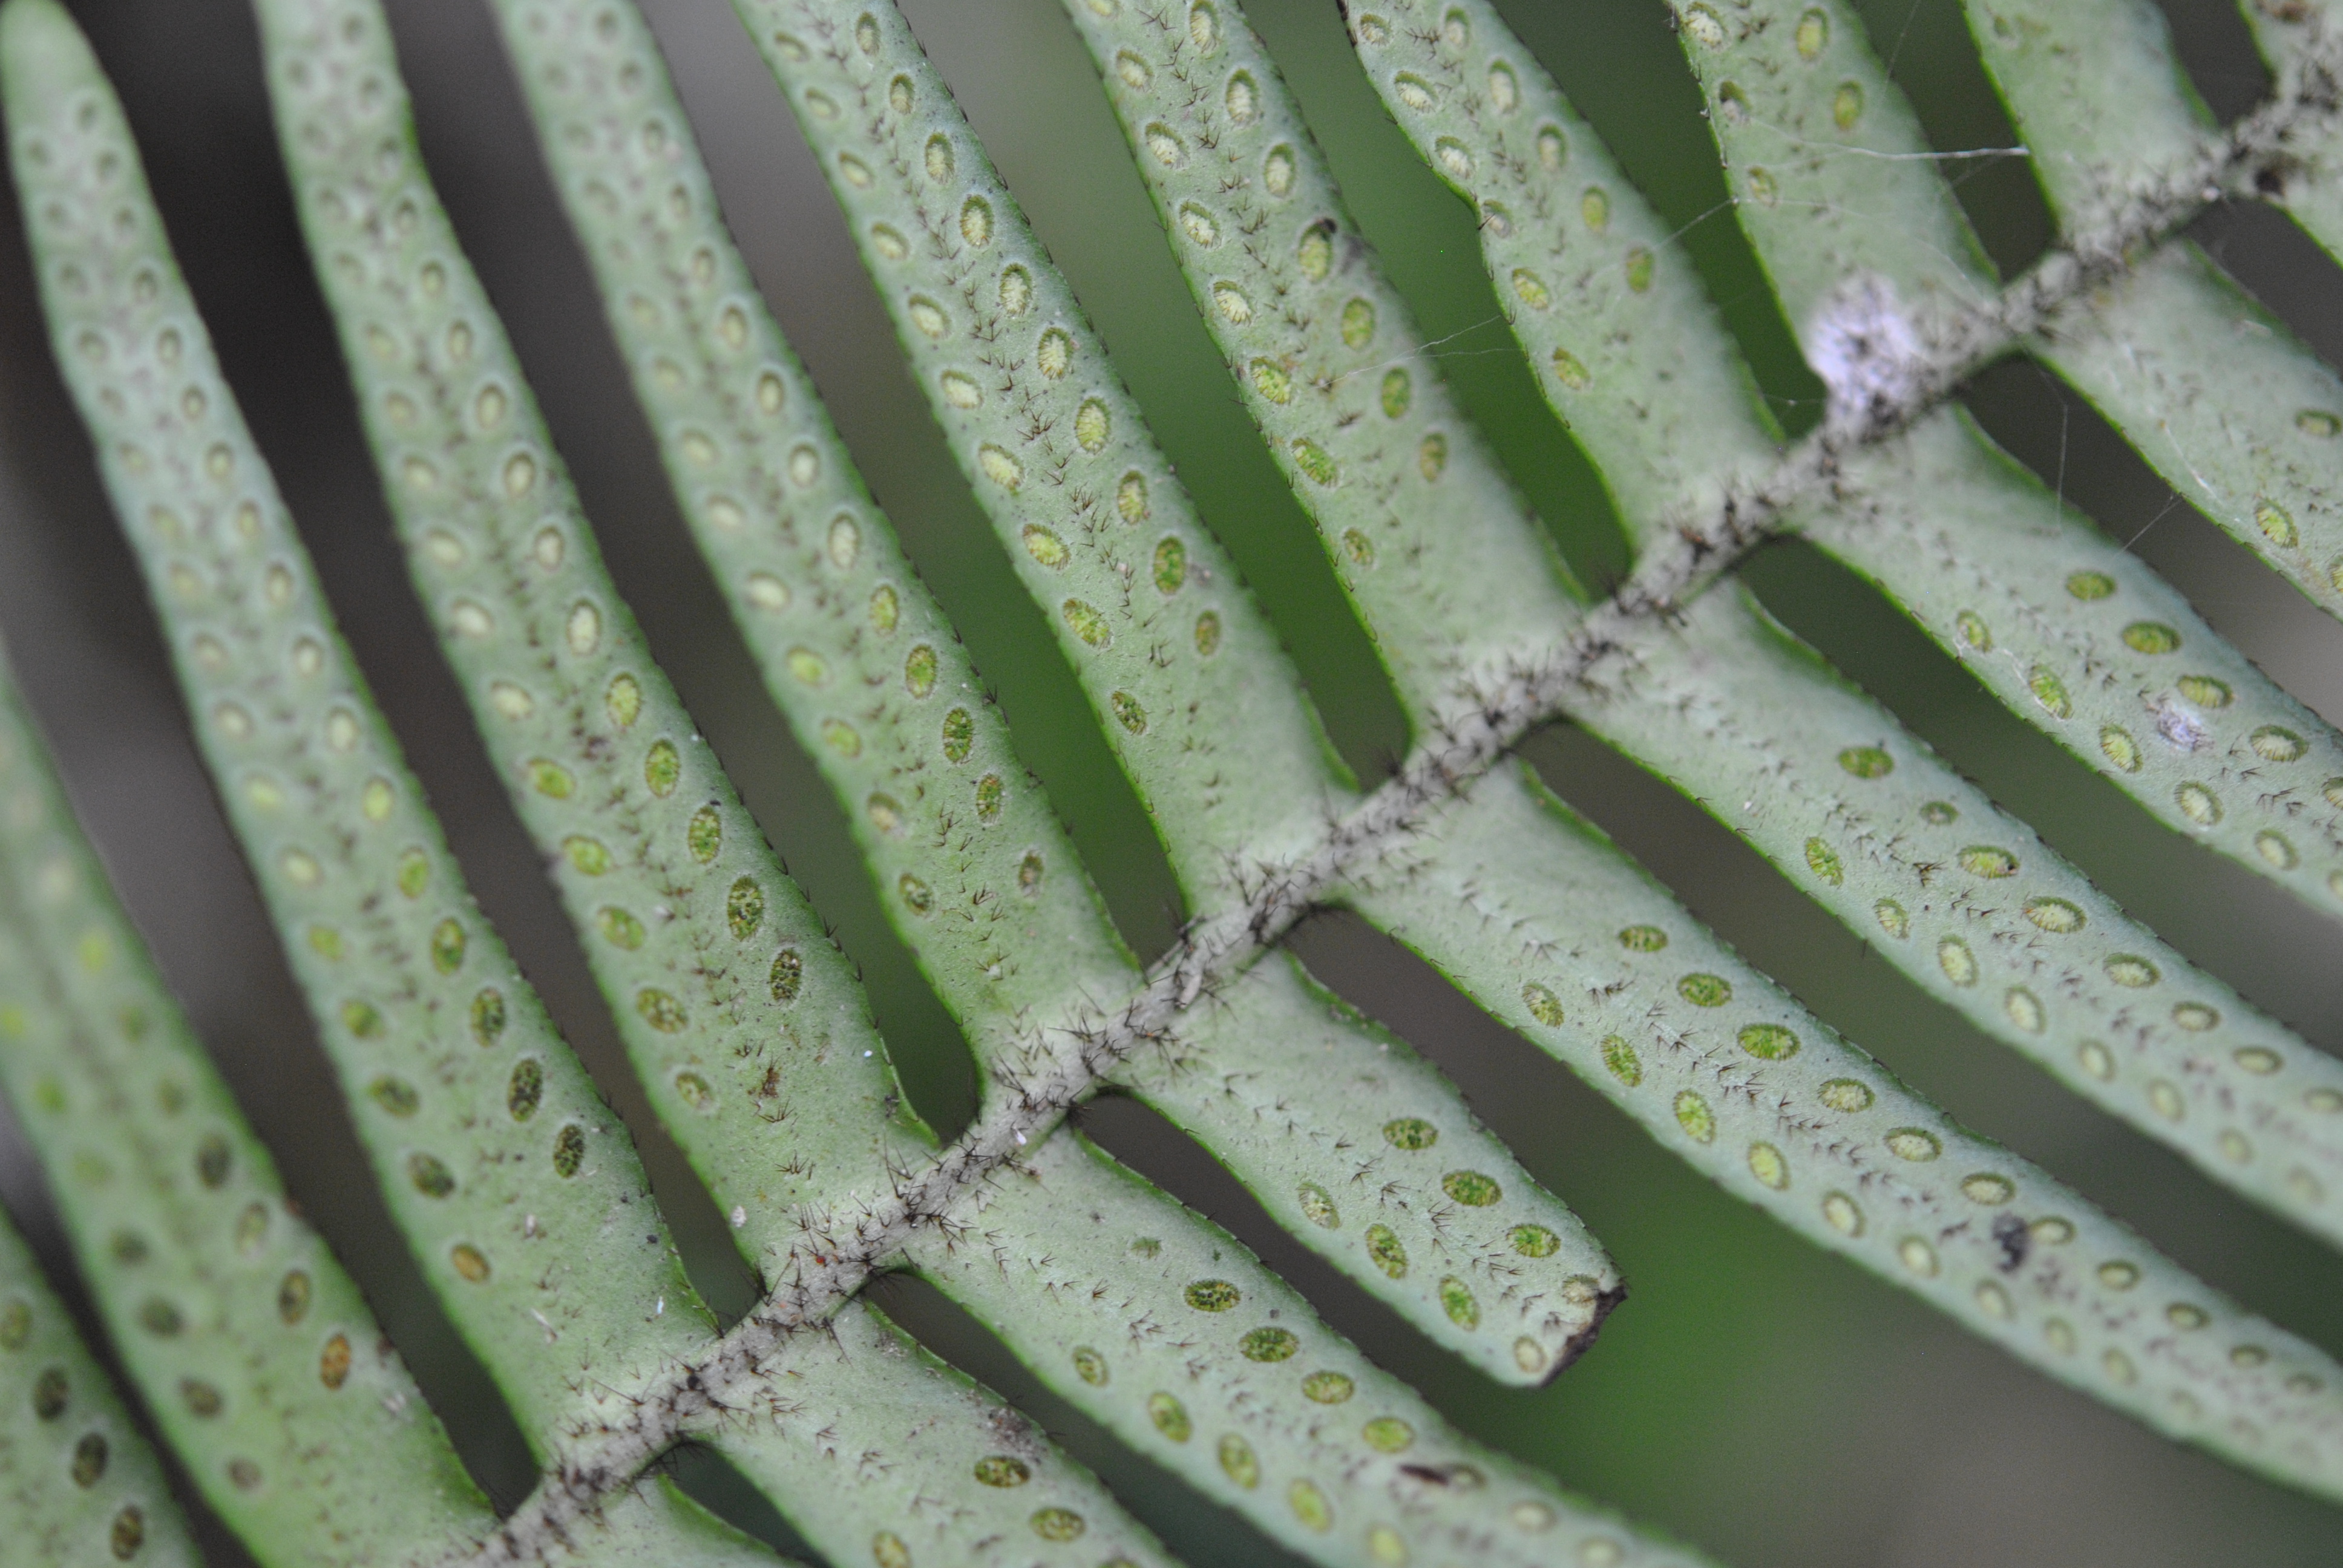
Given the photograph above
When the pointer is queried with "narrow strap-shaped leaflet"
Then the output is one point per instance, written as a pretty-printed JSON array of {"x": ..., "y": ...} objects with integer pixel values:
[
  {"x": 1366, "y": 1155},
  {"x": 1834, "y": 185},
  {"x": 1599, "y": 967},
  {"x": 973, "y": 869},
  {"x": 878, "y": 1453},
  {"x": 1667, "y": 724},
  {"x": 590, "y": 85},
  {"x": 2219, "y": 396},
  {"x": 2098, "y": 97},
  {"x": 1619, "y": 331},
  {"x": 78, "y": 1481},
  {"x": 2225, "y": 403},
  {"x": 2299, "y": 40},
  {"x": 1966, "y": 901},
  {"x": 1163, "y": 1329},
  {"x": 1175, "y": 658},
  {"x": 1628, "y": 350},
  {"x": 727, "y": 989},
  {"x": 654, "y": 1522},
  {"x": 1658, "y": 724},
  {"x": 2126, "y": 729},
  {"x": 2082, "y": 640},
  {"x": 1326, "y": 355},
  {"x": 517, "y": 1186},
  {"x": 257, "y": 1357}
]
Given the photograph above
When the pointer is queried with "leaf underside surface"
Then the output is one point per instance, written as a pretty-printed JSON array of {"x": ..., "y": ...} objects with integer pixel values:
[{"x": 247, "y": 1351}]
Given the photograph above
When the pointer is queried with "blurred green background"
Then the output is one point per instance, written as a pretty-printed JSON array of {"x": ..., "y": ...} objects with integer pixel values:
[{"x": 1753, "y": 1396}]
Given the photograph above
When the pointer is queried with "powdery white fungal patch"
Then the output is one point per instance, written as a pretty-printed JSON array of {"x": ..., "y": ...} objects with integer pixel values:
[
  {"x": 2180, "y": 726},
  {"x": 1868, "y": 355}
]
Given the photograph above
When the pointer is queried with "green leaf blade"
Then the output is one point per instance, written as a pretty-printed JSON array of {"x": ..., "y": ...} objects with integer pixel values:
[
  {"x": 462, "y": 1090},
  {"x": 1975, "y": 909},
  {"x": 658, "y": 1523},
  {"x": 1175, "y": 661},
  {"x": 735, "y": 1005},
  {"x": 255, "y": 1350},
  {"x": 2098, "y": 97},
  {"x": 2226, "y": 403},
  {"x": 1835, "y": 186},
  {"x": 1163, "y": 1329},
  {"x": 878, "y": 1452},
  {"x": 1626, "y": 347},
  {"x": 2219, "y": 397},
  {"x": 2081, "y": 638},
  {"x": 1368, "y": 1157},
  {"x": 971, "y": 866},
  {"x": 1736, "y": 1078},
  {"x": 576, "y": 74},
  {"x": 1349, "y": 1143},
  {"x": 125, "y": 1509},
  {"x": 1436, "y": 550}
]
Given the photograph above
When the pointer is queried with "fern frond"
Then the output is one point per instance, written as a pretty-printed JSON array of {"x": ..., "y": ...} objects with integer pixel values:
[
  {"x": 2180, "y": 700},
  {"x": 1860, "y": 236},
  {"x": 728, "y": 1171},
  {"x": 1021, "y": 978},
  {"x": 1688, "y": 727},
  {"x": 523, "y": 1195},
  {"x": 1937, "y": 467},
  {"x": 1838, "y": 194},
  {"x": 727, "y": 1092},
  {"x": 655, "y": 1518},
  {"x": 78, "y": 1482},
  {"x": 251, "y": 1341}
]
